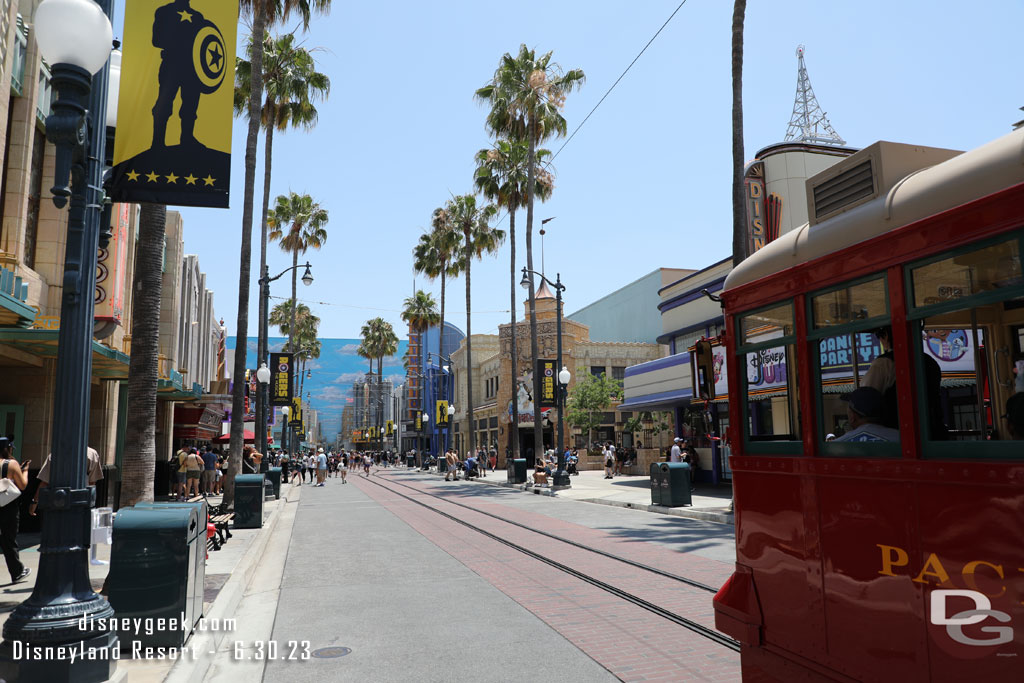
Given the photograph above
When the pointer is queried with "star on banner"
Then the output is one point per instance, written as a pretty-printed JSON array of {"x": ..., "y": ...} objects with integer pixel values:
[
  {"x": 132, "y": 175},
  {"x": 209, "y": 180},
  {"x": 190, "y": 179},
  {"x": 172, "y": 178},
  {"x": 151, "y": 177},
  {"x": 185, "y": 16}
]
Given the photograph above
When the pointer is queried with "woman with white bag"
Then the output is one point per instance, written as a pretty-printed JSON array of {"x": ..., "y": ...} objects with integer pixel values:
[{"x": 12, "y": 482}]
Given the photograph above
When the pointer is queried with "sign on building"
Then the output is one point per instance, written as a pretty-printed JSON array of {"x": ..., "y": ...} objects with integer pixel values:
[{"x": 442, "y": 414}]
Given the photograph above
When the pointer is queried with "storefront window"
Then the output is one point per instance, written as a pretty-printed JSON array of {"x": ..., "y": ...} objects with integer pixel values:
[{"x": 768, "y": 356}]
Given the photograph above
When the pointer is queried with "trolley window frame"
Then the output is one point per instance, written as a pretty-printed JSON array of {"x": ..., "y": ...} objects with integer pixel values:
[
  {"x": 930, "y": 449},
  {"x": 785, "y": 447},
  {"x": 814, "y": 336}
]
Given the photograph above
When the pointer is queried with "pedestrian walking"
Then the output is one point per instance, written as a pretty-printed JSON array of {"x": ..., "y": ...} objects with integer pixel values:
[
  {"x": 209, "y": 471},
  {"x": 14, "y": 480},
  {"x": 321, "y": 468},
  {"x": 367, "y": 461},
  {"x": 193, "y": 471},
  {"x": 179, "y": 473},
  {"x": 343, "y": 467},
  {"x": 609, "y": 462}
]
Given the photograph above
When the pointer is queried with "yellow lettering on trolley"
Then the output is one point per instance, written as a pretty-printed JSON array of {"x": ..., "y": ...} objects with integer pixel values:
[
  {"x": 968, "y": 573},
  {"x": 892, "y": 557},
  {"x": 932, "y": 567}
]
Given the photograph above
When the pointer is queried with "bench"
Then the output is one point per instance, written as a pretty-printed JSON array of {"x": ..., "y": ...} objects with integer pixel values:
[{"x": 221, "y": 521}]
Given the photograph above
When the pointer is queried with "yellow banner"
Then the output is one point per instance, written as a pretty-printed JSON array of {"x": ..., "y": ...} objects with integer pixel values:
[
  {"x": 389, "y": 428},
  {"x": 442, "y": 414},
  {"x": 175, "y": 105}
]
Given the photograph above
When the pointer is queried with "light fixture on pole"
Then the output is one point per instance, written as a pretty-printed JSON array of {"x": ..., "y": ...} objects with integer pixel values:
[
  {"x": 63, "y": 612},
  {"x": 263, "y": 377},
  {"x": 262, "y": 398},
  {"x": 560, "y": 477}
]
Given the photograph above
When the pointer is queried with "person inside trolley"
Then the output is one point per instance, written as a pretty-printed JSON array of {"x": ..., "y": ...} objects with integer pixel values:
[
  {"x": 865, "y": 408},
  {"x": 1015, "y": 417},
  {"x": 881, "y": 375}
]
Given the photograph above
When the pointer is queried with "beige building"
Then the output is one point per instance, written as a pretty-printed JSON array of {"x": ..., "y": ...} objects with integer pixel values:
[{"x": 493, "y": 394}]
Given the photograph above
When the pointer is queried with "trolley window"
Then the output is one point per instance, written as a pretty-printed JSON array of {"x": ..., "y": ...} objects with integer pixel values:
[
  {"x": 767, "y": 352},
  {"x": 969, "y": 304},
  {"x": 846, "y": 324}
]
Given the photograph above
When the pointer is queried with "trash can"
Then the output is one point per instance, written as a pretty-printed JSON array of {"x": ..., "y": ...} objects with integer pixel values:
[
  {"x": 517, "y": 471},
  {"x": 274, "y": 475},
  {"x": 410, "y": 461},
  {"x": 442, "y": 465},
  {"x": 675, "y": 484},
  {"x": 249, "y": 501},
  {"x": 656, "y": 480},
  {"x": 152, "y": 573},
  {"x": 199, "y": 566}
]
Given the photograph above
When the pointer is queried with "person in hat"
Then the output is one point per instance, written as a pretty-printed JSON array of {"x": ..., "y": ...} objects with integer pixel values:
[
  {"x": 865, "y": 408},
  {"x": 676, "y": 454}
]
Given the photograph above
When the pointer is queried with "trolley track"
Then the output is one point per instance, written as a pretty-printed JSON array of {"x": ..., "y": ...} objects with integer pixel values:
[{"x": 677, "y": 619}]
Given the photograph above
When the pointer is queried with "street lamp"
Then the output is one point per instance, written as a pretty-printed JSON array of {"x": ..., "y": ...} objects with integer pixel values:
[
  {"x": 75, "y": 38},
  {"x": 561, "y": 477},
  {"x": 263, "y": 352},
  {"x": 263, "y": 377}
]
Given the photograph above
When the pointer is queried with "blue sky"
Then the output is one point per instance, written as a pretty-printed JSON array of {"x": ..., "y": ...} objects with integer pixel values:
[
  {"x": 332, "y": 375},
  {"x": 645, "y": 183}
]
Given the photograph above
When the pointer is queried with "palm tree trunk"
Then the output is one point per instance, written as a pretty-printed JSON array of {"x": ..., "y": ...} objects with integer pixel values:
[
  {"x": 144, "y": 367},
  {"x": 245, "y": 261},
  {"x": 261, "y": 391},
  {"x": 469, "y": 353},
  {"x": 513, "y": 380},
  {"x": 440, "y": 363},
  {"x": 531, "y": 174},
  {"x": 739, "y": 228},
  {"x": 380, "y": 401}
]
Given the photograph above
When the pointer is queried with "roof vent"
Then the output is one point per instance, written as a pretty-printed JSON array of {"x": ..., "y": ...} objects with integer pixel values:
[{"x": 868, "y": 174}]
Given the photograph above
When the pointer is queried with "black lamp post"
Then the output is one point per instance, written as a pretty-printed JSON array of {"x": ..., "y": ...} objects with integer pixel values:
[
  {"x": 263, "y": 352},
  {"x": 75, "y": 37},
  {"x": 561, "y": 477},
  {"x": 446, "y": 373}
]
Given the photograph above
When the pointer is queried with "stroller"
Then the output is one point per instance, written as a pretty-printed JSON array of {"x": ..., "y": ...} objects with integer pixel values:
[{"x": 570, "y": 465}]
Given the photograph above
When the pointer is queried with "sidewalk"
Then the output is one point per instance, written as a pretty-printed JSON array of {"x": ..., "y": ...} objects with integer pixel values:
[
  {"x": 228, "y": 573},
  {"x": 710, "y": 503}
]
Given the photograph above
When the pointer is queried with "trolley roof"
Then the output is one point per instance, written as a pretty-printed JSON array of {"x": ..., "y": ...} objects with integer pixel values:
[{"x": 971, "y": 175}]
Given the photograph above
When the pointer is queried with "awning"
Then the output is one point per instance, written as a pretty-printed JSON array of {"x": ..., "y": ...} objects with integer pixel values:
[
  {"x": 665, "y": 399},
  {"x": 107, "y": 363}
]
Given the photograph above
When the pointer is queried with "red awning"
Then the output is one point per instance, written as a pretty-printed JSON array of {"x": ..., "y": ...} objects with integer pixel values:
[{"x": 247, "y": 437}]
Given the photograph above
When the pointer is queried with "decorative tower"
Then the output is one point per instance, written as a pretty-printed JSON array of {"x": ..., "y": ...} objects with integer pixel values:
[{"x": 809, "y": 123}]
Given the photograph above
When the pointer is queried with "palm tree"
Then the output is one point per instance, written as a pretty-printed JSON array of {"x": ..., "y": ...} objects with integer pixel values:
[
  {"x": 144, "y": 366},
  {"x": 291, "y": 85},
  {"x": 364, "y": 352},
  {"x": 379, "y": 340},
  {"x": 526, "y": 96},
  {"x": 420, "y": 311},
  {"x": 297, "y": 222},
  {"x": 501, "y": 176},
  {"x": 264, "y": 13},
  {"x": 436, "y": 255},
  {"x": 739, "y": 228},
  {"x": 480, "y": 238},
  {"x": 281, "y": 317}
]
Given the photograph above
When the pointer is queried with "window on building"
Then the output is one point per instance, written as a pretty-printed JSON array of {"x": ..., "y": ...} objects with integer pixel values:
[
  {"x": 597, "y": 370},
  {"x": 45, "y": 94},
  {"x": 619, "y": 372}
]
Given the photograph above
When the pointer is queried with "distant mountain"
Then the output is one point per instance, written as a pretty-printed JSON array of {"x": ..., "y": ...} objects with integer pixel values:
[{"x": 330, "y": 385}]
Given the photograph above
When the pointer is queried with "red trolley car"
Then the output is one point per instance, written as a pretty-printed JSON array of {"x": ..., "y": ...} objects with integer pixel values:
[{"x": 899, "y": 557}]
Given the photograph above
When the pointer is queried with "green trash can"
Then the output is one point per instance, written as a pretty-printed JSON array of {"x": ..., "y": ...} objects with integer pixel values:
[
  {"x": 274, "y": 475},
  {"x": 410, "y": 461},
  {"x": 199, "y": 568},
  {"x": 152, "y": 572},
  {"x": 249, "y": 501},
  {"x": 442, "y": 465},
  {"x": 656, "y": 480},
  {"x": 517, "y": 471},
  {"x": 675, "y": 484}
]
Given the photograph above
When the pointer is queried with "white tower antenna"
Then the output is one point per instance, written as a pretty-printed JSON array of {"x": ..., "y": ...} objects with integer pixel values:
[{"x": 809, "y": 123}]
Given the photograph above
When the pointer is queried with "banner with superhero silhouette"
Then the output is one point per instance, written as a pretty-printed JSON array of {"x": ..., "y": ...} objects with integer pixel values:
[{"x": 173, "y": 142}]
